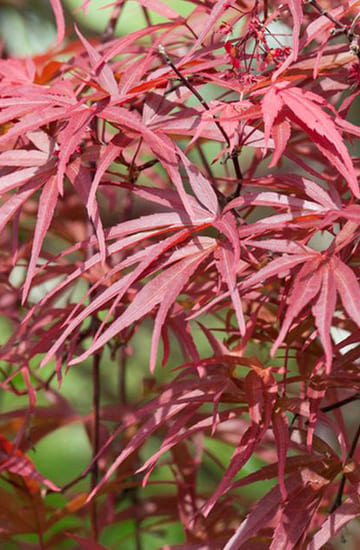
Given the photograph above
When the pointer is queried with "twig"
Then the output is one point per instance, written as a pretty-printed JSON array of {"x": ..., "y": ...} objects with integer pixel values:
[
  {"x": 96, "y": 441},
  {"x": 110, "y": 29},
  {"x": 341, "y": 403},
  {"x": 338, "y": 499},
  {"x": 265, "y": 10},
  {"x": 348, "y": 31},
  {"x": 234, "y": 154},
  {"x": 146, "y": 15}
]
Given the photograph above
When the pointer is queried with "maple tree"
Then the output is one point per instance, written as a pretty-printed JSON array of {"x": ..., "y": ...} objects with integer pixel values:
[{"x": 197, "y": 177}]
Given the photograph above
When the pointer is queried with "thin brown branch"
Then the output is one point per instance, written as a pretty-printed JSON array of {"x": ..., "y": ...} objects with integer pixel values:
[
  {"x": 111, "y": 26},
  {"x": 338, "y": 499},
  {"x": 95, "y": 441},
  {"x": 146, "y": 15},
  {"x": 341, "y": 403},
  {"x": 347, "y": 30},
  {"x": 194, "y": 91}
]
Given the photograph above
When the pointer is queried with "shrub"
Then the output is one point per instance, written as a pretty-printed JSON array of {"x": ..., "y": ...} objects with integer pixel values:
[{"x": 195, "y": 180}]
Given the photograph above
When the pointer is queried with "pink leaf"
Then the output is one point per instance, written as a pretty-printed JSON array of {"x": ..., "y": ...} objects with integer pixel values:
[
  {"x": 227, "y": 270},
  {"x": 71, "y": 138},
  {"x": 46, "y": 210},
  {"x": 202, "y": 188},
  {"x": 11, "y": 206},
  {"x": 33, "y": 121},
  {"x": 158, "y": 418},
  {"x": 19, "y": 177},
  {"x": 216, "y": 13},
  {"x": 281, "y": 133},
  {"x": 59, "y": 18},
  {"x": 108, "y": 156},
  {"x": 270, "y": 107},
  {"x": 348, "y": 288},
  {"x": 150, "y": 296},
  {"x": 322, "y": 129},
  {"x": 23, "y": 157},
  {"x": 80, "y": 177},
  {"x": 103, "y": 71},
  {"x": 295, "y": 7},
  {"x": 184, "y": 270},
  {"x": 297, "y": 15},
  {"x": 274, "y": 269},
  {"x": 305, "y": 287},
  {"x": 323, "y": 311}
]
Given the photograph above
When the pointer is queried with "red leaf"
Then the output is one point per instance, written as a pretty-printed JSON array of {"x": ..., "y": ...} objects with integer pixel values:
[
  {"x": 305, "y": 287},
  {"x": 264, "y": 511},
  {"x": 241, "y": 455},
  {"x": 14, "y": 461},
  {"x": 282, "y": 439},
  {"x": 150, "y": 296},
  {"x": 349, "y": 510},
  {"x": 297, "y": 513},
  {"x": 254, "y": 392},
  {"x": 184, "y": 270}
]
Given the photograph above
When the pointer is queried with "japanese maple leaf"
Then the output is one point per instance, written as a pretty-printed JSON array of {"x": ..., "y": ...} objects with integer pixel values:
[
  {"x": 304, "y": 108},
  {"x": 318, "y": 282},
  {"x": 14, "y": 461}
]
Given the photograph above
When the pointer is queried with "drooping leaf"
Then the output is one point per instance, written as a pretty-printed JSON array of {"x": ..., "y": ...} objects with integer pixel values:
[
  {"x": 294, "y": 519},
  {"x": 14, "y": 461},
  {"x": 227, "y": 270},
  {"x": 47, "y": 204},
  {"x": 323, "y": 311},
  {"x": 150, "y": 296},
  {"x": 305, "y": 287},
  {"x": 346, "y": 512},
  {"x": 305, "y": 110},
  {"x": 282, "y": 440},
  {"x": 103, "y": 71}
]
